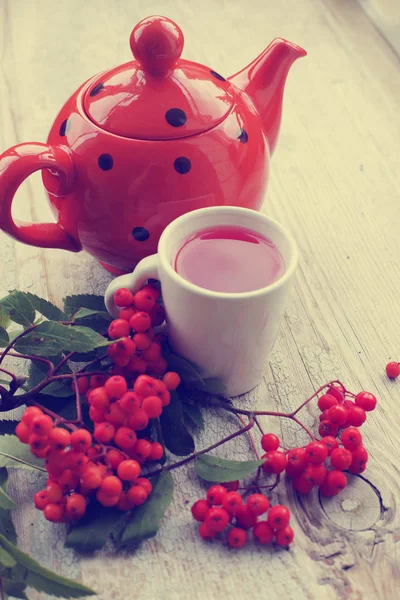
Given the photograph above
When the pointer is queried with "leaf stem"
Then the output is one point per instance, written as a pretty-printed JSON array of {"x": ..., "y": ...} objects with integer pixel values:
[
  {"x": 62, "y": 362},
  {"x": 204, "y": 451},
  {"x": 13, "y": 377},
  {"x": 24, "y": 462}
]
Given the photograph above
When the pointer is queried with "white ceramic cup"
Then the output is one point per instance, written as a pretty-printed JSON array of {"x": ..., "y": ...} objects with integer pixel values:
[{"x": 228, "y": 335}]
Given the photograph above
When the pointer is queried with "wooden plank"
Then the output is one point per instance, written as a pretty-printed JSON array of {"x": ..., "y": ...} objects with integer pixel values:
[
  {"x": 385, "y": 14},
  {"x": 335, "y": 184}
]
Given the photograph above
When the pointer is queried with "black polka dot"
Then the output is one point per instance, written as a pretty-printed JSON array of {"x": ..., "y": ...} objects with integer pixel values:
[
  {"x": 105, "y": 162},
  {"x": 140, "y": 234},
  {"x": 65, "y": 126},
  {"x": 243, "y": 136},
  {"x": 182, "y": 165},
  {"x": 175, "y": 117},
  {"x": 97, "y": 89},
  {"x": 217, "y": 76}
]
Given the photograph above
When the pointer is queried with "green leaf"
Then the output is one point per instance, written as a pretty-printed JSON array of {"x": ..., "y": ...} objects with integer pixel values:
[
  {"x": 6, "y": 560},
  {"x": 37, "y": 372},
  {"x": 73, "y": 303},
  {"x": 7, "y": 426},
  {"x": 5, "y": 501},
  {"x": 12, "y": 452},
  {"x": 192, "y": 415},
  {"x": 14, "y": 589},
  {"x": 19, "y": 308},
  {"x": 146, "y": 519},
  {"x": 43, "y": 580},
  {"x": 221, "y": 470},
  {"x": 50, "y": 338},
  {"x": 187, "y": 370},
  {"x": 46, "y": 308},
  {"x": 4, "y": 318},
  {"x": 91, "y": 532},
  {"x": 4, "y": 339},
  {"x": 88, "y": 312},
  {"x": 176, "y": 437},
  {"x": 7, "y": 526}
]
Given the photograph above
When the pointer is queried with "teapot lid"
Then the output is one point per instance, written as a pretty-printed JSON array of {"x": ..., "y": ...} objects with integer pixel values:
[{"x": 158, "y": 96}]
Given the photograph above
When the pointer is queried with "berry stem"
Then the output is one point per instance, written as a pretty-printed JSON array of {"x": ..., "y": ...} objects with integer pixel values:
[
  {"x": 23, "y": 462},
  {"x": 78, "y": 400},
  {"x": 204, "y": 451},
  {"x": 250, "y": 436},
  {"x": 62, "y": 362},
  {"x": 319, "y": 390},
  {"x": 257, "y": 422},
  {"x": 37, "y": 358},
  {"x": 13, "y": 377}
]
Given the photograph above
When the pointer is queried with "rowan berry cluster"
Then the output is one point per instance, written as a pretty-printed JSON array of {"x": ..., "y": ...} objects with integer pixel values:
[
  {"x": 225, "y": 509},
  {"x": 138, "y": 348}
]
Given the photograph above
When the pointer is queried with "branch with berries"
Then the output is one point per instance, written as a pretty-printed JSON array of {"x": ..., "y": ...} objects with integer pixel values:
[{"x": 104, "y": 432}]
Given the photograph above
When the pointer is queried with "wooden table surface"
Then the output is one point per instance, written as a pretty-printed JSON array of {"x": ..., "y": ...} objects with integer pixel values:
[{"x": 335, "y": 184}]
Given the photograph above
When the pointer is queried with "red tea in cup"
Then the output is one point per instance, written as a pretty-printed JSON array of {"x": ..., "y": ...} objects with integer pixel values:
[{"x": 229, "y": 259}]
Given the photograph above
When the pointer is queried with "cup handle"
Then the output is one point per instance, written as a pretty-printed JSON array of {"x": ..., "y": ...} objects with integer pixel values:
[
  {"x": 16, "y": 164},
  {"x": 144, "y": 270}
]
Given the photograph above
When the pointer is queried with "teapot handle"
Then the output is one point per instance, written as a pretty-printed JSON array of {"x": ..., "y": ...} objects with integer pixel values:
[{"x": 16, "y": 164}]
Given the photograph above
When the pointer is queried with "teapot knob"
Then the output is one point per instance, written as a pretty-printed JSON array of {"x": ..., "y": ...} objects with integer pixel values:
[{"x": 157, "y": 43}]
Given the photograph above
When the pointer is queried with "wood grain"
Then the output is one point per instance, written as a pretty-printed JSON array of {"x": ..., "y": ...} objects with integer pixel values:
[{"x": 335, "y": 184}]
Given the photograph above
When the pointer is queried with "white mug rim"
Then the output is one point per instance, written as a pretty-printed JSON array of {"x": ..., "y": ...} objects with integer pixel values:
[{"x": 289, "y": 268}]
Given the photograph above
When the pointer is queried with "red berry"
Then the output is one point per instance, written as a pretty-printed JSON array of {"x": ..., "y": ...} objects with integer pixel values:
[
  {"x": 330, "y": 442},
  {"x": 359, "y": 459},
  {"x": 216, "y": 495},
  {"x": 75, "y": 460},
  {"x": 200, "y": 509},
  {"x": 123, "y": 297},
  {"x": 326, "y": 491},
  {"x": 366, "y": 400},
  {"x": 68, "y": 480},
  {"x": 92, "y": 478},
  {"x": 143, "y": 449},
  {"x": 336, "y": 481},
  {"x": 326, "y": 401},
  {"x": 326, "y": 428},
  {"x": 337, "y": 391},
  {"x": 42, "y": 425},
  {"x": 145, "y": 483},
  {"x": 157, "y": 451},
  {"x": 165, "y": 398},
  {"x": 153, "y": 406},
  {"x": 302, "y": 484},
  {"x": 111, "y": 485},
  {"x": 99, "y": 398},
  {"x": 54, "y": 492},
  {"x": 257, "y": 504},
  {"x": 206, "y": 533},
  {"x": 125, "y": 438},
  {"x": 53, "y": 512},
  {"x": 285, "y": 536},
  {"x": 106, "y": 499},
  {"x": 337, "y": 414},
  {"x": 137, "y": 365},
  {"x": 114, "y": 458},
  {"x": 130, "y": 401},
  {"x": 125, "y": 347},
  {"x": 231, "y": 502},
  {"x": 142, "y": 341},
  {"x": 348, "y": 403},
  {"x": 96, "y": 415},
  {"x": 351, "y": 438},
  {"x": 232, "y": 485},
  {"x": 127, "y": 313},
  {"x": 296, "y": 461},
  {"x": 157, "y": 315},
  {"x": 341, "y": 459},
  {"x": 75, "y": 507},
  {"x": 237, "y": 537},
  {"x": 82, "y": 384},
  {"x": 157, "y": 367},
  {"x": 245, "y": 518},
  {"x": 171, "y": 380},
  {"x": 152, "y": 353},
  {"x": 275, "y": 462},
  {"x": 30, "y": 413},
  {"x": 81, "y": 440},
  {"x": 216, "y": 518},
  {"x": 37, "y": 442},
  {"x": 59, "y": 438},
  {"x": 139, "y": 419},
  {"x": 128, "y": 470},
  {"x": 263, "y": 532},
  {"x": 324, "y": 416},
  {"x": 316, "y": 453},
  {"x": 278, "y": 517},
  {"x": 140, "y": 322},
  {"x": 119, "y": 328},
  {"x": 40, "y": 499},
  {"x": 137, "y": 495},
  {"x": 124, "y": 503},
  {"x": 393, "y": 370},
  {"x": 145, "y": 386},
  {"x": 356, "y": 416},
  {"x": 144, "y": 300},
  {"x": 116, "y": 386},
  {"x": 97, "y": 381},
  {"x": 115, "y": 415},
  {"x": 23, "y": 432},
  {"x": 316, "y": 474},
  {"x": 270, "y": 441},
  {"x": 104, "y": 432}
]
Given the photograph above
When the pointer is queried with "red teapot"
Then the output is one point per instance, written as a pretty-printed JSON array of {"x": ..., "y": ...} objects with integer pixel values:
[{"x": 139, "y": 145}]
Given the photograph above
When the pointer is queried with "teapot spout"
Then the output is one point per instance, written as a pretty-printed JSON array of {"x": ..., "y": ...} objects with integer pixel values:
[{"x": 264, "y": 81}]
